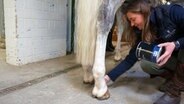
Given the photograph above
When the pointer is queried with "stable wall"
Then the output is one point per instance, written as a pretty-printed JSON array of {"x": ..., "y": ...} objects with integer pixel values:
[{"x": 35, "y": 30}]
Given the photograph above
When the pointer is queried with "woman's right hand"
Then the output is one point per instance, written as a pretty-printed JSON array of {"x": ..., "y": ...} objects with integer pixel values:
[
  {"x": 169, "y": 48},
  {"x": 107, "y": 78}
]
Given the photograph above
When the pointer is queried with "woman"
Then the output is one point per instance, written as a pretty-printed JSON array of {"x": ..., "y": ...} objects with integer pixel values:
[{"x": 163, "y": 25}]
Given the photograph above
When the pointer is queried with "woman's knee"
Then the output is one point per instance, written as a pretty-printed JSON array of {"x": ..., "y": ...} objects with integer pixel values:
[{"x": 150, "y": 67}]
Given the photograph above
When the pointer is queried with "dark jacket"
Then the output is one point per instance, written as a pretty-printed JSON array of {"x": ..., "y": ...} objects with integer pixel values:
[{"x": 169, "y": 23}]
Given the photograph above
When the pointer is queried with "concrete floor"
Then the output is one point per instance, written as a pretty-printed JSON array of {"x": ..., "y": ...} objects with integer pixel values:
[{"x": 59, "y": 81}]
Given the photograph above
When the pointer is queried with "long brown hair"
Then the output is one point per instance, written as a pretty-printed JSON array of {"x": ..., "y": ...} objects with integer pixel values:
[{"x": 144, "y": 8}]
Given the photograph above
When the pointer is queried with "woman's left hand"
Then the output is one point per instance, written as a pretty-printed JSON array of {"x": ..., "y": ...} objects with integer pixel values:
[{"x": 169, "y": 48}]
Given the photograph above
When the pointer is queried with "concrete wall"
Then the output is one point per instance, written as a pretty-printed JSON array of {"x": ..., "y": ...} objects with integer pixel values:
[{"x": 35, "y": 30}]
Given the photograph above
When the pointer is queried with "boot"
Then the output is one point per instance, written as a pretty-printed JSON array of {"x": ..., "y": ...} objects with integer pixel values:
[{"x": 173, "y": 88}]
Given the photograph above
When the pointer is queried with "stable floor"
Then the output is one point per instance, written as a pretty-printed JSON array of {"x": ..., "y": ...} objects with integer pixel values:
[{"x": 59, "y": 81}]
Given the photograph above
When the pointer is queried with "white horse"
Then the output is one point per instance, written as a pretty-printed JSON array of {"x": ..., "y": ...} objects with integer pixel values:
[{"x": 94, "y": 19}]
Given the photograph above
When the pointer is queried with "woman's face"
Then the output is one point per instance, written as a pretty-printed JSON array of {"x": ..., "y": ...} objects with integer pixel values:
[{"x": 136, "y": 20}]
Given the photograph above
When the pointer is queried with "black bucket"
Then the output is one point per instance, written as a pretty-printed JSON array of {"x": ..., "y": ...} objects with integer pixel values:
[{"x": 149, "y": 52}]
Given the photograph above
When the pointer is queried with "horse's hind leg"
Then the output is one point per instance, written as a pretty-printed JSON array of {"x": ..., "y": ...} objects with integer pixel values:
[
  {"x": 88, "y": 76},
  {"x": 119, "y": 22},
  {"x": 104, "y": 23}
]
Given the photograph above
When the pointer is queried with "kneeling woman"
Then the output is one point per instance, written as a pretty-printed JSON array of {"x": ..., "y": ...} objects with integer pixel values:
[{"x": 163, "y": 25}]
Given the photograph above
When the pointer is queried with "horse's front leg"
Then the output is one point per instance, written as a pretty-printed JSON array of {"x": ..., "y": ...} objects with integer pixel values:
[
  {"x": 104, "y": 23},
  {"x": 100, "y": 89}
]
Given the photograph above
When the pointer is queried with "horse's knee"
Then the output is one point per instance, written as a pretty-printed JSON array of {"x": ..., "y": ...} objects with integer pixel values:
[{"x": 98, "y": 73}]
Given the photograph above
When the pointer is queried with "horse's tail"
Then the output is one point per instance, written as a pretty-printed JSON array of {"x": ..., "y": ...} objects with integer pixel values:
[{"x": 85, "y": 30}]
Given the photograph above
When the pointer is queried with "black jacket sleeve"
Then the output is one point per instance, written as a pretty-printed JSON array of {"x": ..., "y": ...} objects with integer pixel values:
[
  {"x": 177, "y": 16},
  {"x": 125, "y": 65}
]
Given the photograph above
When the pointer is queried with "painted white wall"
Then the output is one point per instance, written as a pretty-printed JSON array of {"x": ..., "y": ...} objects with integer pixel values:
[{"x": 35, "y": 30}]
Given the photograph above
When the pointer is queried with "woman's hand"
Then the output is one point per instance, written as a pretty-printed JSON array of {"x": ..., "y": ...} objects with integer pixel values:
[
  {"x": 107, "y": 79},
  {"x": 169, "y": 48}
]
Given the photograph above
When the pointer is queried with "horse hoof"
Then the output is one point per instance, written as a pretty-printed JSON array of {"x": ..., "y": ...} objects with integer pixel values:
[
  {"x": 116, "y": 59},
  {"x": 104, "y": 97},
  {"x": 87, "y": 82}
]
